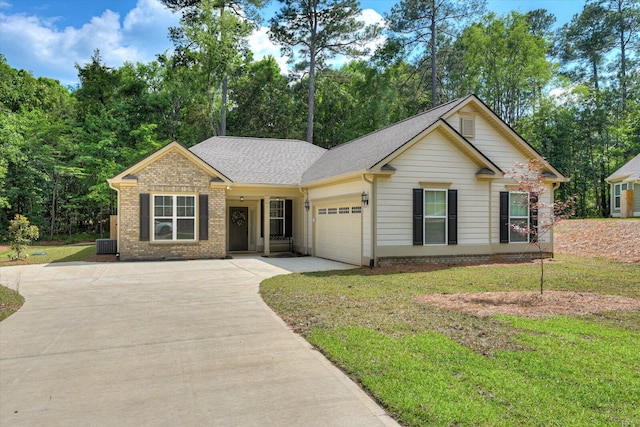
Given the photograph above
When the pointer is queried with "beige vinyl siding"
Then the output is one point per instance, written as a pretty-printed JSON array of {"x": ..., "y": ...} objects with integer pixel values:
[
  {"x": 490, "y": 142},
  {"x": 433, "y": 159},
  {"x": 366, "y": 230},
  {"x": 503, "y": 185},
  {"x": 636, "y": 199}
]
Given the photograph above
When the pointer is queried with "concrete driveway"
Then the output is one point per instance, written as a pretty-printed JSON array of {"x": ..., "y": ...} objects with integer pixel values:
[{"x": 185, "y": 343}]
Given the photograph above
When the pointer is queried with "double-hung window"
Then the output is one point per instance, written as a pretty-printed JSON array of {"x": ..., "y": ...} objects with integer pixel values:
[
  {"x": 518, "y": 217},
  {"x": 277, "y": 218},
  {"x": 435, "y": 217},
  {"x": 174, "y": 217},
  {"x": 617, "y": 193}
]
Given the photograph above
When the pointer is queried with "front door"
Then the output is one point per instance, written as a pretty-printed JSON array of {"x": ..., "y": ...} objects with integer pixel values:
[{"x": 238, "y": 229}]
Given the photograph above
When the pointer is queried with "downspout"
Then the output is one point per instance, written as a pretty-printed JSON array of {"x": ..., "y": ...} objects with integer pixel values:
[
  {"x": 305, "y": 233},
  {"x": 372, "y": 204}
]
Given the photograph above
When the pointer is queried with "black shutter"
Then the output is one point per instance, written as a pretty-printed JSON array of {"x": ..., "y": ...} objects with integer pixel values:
[
  {"x": 262, "y": 203},
  {"x": 533, "y": 217},
  {"x": 504, "y": 217},
  {"x": 144, "y": 217},
  {"x": 203, "y": 217},
  {"x": 288, "y": 218},
  {"x": 418, "y": 216},
  {"x": 452, "y": 217}
]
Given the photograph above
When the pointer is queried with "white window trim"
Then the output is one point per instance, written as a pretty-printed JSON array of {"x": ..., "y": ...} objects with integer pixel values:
[
  {"x": 528, "y": 216},
  {"x": 174, "y": 218},
  {"x": 425, "y": 216},
  {"x": 617, "y": 199},
  {"x": 284, "y": 215}
]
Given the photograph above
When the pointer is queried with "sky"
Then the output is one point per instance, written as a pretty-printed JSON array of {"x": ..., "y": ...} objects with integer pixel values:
[{"x": 48, "y": 37}]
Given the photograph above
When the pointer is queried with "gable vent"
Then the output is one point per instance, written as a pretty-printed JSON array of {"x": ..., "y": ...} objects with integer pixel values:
[{"x": 467, "y": 127}]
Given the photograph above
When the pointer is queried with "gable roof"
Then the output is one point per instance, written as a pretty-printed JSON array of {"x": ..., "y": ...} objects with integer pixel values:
[
  {"x": 516, "y": 139},
  {"x": 367, "y": 151},
  {"x": 128, "y": 176},
  {"x": 630, "y": 171},
  {"x": 259, "y": 160}
]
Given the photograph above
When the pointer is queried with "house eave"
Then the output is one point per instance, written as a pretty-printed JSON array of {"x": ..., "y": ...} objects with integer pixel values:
[
  {"x": 123, "y": 178},
  {"x": 518, "y": 141},
  {"x": 338, "y": 178}
]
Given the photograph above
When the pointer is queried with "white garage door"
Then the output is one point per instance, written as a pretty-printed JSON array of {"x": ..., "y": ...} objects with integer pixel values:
[{"x": 338, "y": 232}]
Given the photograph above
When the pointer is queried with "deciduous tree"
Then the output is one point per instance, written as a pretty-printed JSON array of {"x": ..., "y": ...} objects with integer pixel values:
[{"x": 313, "y": 31}]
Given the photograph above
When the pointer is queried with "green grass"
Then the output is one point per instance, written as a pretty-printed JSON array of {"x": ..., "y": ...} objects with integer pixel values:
[
  {"x": 53, "y": 254},
  {"x": 10, "y": 302},
  {"x": 429, "y": 366}
]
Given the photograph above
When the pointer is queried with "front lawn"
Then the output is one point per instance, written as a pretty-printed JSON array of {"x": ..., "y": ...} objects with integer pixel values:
[
  {"x": 430, "y": 366},
  {"x": 10, "y": 302},
  {"x": 63, "y": 253}
]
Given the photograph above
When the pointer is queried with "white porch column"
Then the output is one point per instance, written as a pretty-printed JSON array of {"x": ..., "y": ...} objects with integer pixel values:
[{"x": 267, "y": 224}]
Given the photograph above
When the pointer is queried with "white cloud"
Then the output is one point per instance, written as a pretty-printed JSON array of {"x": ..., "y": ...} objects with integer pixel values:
[
  {"x": 38, "y": 45},
  {"x": 261, "y": 47}
]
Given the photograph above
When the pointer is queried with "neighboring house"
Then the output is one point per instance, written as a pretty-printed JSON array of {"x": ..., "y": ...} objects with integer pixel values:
[
  {"x": 427, "y": 189},
  {"x": 625, "y": 189}
]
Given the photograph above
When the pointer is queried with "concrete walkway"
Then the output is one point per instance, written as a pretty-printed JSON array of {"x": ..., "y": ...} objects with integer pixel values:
[{"x": 185, "y": 343}]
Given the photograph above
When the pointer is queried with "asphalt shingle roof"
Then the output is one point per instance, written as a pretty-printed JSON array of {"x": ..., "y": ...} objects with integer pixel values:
[
  {"x": 258, "y": 160},
  {"x": 368, "y": 150},
  {"x": 631, "y": 168},
  {"x": 287, "y": 161}
]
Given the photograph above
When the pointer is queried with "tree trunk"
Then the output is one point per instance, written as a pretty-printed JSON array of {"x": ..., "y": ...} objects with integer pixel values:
[
  {"x": 53, "y": 209},
  {"x": 223, "y": 108},
  {"x": 312, "y": 85},
  {"x": 623, "y": 59},
  {"x": 434, "y": 80}
]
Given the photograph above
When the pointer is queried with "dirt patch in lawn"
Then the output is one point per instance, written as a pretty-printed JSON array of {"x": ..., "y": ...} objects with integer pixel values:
[
  {"x": 616, "y": 239},
  {"x": 531, "y": 304}
]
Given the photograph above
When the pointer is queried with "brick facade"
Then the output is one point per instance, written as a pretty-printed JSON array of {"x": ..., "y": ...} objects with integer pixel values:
[{"x": 172, "y": 173}]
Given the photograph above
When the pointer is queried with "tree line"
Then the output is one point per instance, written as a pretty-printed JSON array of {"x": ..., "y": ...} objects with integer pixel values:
[{"x": 573, "y": 92}]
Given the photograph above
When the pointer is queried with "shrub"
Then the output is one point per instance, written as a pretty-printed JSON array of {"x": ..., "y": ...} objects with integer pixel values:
[{"x": 21, "y": 233}]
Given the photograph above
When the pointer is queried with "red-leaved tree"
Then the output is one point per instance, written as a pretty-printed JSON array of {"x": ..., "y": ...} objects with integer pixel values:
[{"x": 530, "y": 180}]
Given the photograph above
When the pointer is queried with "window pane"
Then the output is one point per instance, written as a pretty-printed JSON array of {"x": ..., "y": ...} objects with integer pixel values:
[
  {"x": 616, "y": 189},
  {"x": 276, "y": 209},
  {"x": 434, "y": 231},
  {"x": 514, "y": 236},
  {"x": 186, "y": 229},
  {"x": 277, "y": 227},
  {"x": 435, "y": 203},
  {"x": 163, "y": 205},
  {"x": 518, "y": 204},
  {"x": 162, "y": 229},
  {"x": 185, "y": 206}
]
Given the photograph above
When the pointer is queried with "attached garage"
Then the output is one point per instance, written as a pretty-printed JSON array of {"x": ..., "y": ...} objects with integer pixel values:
[{"x": 338, "y": 232}]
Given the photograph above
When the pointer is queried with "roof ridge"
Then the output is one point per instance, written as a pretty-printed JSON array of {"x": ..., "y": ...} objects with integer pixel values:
[{"x": 254, "y": 138}]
